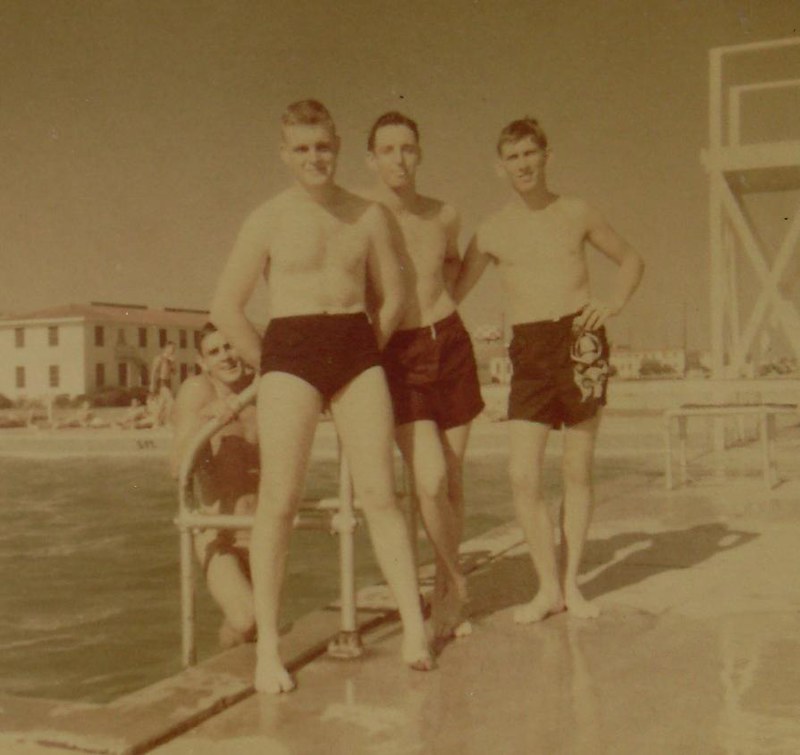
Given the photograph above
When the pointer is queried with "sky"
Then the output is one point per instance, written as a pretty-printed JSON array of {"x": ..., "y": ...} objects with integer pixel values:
[{"x": 135, "y": 136}]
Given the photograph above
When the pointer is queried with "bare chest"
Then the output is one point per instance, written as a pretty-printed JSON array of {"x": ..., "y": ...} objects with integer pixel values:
[
  {"x": 313, "y": 240},
  {"x": 425, "y": 241},
  {"x": 545, "y": 238}
]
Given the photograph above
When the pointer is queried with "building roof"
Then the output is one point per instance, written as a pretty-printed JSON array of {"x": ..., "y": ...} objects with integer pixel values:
[{"x": 107, "y": 312}]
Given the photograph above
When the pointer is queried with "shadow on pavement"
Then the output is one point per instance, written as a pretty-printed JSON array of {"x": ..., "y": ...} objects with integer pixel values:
[{"x": 619, "y": 561}]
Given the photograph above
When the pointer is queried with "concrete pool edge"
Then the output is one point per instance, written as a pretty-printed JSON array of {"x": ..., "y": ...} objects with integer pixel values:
[{"x": 141, "y": 720}]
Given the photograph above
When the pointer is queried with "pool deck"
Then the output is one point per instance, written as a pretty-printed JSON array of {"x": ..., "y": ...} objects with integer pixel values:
[{"x": 697, "y": 650}]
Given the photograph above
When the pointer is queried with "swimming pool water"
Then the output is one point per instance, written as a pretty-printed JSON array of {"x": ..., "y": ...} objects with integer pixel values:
[{"x": 89, "y": 597}]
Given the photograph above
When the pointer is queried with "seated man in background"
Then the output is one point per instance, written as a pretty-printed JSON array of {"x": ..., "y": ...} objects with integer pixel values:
[
  {"x": 228, "y": 473},
  {"x": 137, "y": 416},
  {"x": 84, "y": 417}
]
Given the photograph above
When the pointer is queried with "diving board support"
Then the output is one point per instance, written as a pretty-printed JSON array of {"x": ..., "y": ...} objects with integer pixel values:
[
  {"x": 735, "y": 169},
  {"x": 765, "y": 414}
]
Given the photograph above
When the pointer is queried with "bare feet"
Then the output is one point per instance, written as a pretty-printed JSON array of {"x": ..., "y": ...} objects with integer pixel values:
[
  {"x": 447, "y": 612},
  {"x": 542, "y": 606},
  {"x": 417, "y": 654},
  {"x": 271, "y": 676},
  {"x": 578, "y": 606}
]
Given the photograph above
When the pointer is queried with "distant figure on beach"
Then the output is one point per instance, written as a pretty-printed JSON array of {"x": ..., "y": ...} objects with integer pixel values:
[
  {"x": 227, "y": 472},
  {"x": 429, "y": 361},
  {"x": 84, "y": 417},
  {"x": 161, "y": 382},
  {"x": 559, "y": 351},
  {"x": 137, "y": 416},
  {"x": 320, "y": 248}
]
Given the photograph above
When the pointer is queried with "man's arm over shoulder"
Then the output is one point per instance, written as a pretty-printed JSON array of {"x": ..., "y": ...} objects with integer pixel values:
[
  {"x": 451, "y": 222},
  {"x": 477, "y": 256},
  {"x": 631, "y": 267},
  {"x": 242, "y": 271},
  {"x": 188, "y": 415},
  {"x": 385, "y": 279}
]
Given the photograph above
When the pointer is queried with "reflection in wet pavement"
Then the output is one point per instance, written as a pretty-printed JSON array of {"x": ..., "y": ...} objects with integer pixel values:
[{"x": 697, "y": 651}]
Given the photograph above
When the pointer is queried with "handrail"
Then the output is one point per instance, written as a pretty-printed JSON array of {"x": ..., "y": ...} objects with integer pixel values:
[
  {"x": 204, "y": 434},
  {"x": 187, "y": 521},
  {"x": 347, "y": 644}
]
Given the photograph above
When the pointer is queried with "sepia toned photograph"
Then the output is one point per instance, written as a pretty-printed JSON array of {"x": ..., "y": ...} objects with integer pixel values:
[{"x": 400, "y": 377}]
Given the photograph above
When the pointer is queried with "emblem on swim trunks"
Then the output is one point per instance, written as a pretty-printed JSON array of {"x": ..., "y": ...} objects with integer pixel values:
[{"x": 590, "y": 370}]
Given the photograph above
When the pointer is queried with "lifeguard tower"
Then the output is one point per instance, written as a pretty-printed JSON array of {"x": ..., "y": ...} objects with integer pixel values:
[{"x": 753, "y": 164}]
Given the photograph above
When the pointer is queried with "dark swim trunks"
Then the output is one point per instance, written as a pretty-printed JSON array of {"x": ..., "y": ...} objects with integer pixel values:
[
  {"x": 560, "y": 373},
  {"x": 327, "y": 351},
  {"x": 432, "y": 374},
  {"x": 224, "y": 478},
  {"x": 221, "y": 547}
]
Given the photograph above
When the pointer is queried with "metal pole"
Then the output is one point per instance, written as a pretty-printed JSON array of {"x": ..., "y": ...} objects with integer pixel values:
[
  {"x": 682, "y": 456},
  {"x": 188, "y": 640},
  {"x": 668, "y": 450},
  {"x": 347, "y": 644},
  {"x": 186, "y": 506},
  {"x": 346, "y": 548}
]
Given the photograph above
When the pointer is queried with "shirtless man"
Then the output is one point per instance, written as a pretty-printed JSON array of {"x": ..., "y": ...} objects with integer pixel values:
[
  {"x": 429, "y": 360},
  {"x": 161, "y": 382},
  {"x": 228, "y": 475},
  {"x": 320, "y": 248},
  {"x": 559, "y": 351}
]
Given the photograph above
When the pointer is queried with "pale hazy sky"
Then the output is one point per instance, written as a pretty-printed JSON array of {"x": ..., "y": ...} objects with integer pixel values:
[{"x": 135, "y": 136}]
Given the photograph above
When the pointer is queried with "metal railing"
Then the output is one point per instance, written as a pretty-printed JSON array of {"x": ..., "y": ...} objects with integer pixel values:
[{"x": 336, "y": 514}]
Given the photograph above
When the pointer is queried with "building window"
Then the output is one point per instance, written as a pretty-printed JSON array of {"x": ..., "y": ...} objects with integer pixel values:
[
  {"x": 99, "y": 336},
  {"x": 52, "y": 335},
  {"x": 100, "y": 375},
  {"x": 162, "y": 337},
  {"x": 123, "y": 374},
  {"x": 54, "y": 376},
  {"x": 144, "y": 377},
  {"x": 19, "y": 337},
  {"x": 121, "y": 341},
  {"x": 197, "y": 335},
  {"x": 198, "y": 369},
  {"x": 143, "y": 338},
  {"x": 184, "y": 371},
  {"x": 182, "y": 338},
  {"x": 20, "y": 377}
]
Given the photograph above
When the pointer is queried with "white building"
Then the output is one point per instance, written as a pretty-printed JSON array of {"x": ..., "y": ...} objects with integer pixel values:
[{"x": 77, "y": 348}]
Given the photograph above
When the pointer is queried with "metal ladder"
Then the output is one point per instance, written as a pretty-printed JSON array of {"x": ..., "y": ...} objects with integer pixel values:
[{"x": 337, "y": 514}]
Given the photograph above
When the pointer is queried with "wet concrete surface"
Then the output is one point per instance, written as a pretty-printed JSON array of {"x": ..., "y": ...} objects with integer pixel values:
[{"x": 697, "y": 650}]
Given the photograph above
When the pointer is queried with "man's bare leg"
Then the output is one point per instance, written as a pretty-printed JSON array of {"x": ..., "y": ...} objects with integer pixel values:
[
  {"x": 528, "y": 442},
  {"x": 421, "y": 445},
  {"x": 576, "y": 512},
  {"x": 452, "y": 621},
  {"x": 363, "y": 416},
  {"x": 288, "y": 411},
  {"x": 234, "y": 595}
]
